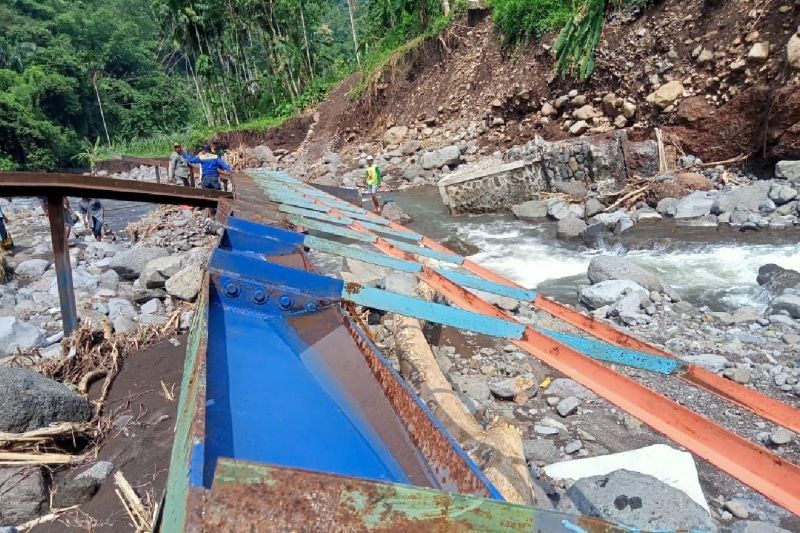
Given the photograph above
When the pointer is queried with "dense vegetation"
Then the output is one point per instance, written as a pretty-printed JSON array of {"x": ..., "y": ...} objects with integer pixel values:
[{"x": 80, "y": 76}]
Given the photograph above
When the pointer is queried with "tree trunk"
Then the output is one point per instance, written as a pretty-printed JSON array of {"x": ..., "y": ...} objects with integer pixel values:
[
  {"x": 100, "y": 103},
  {"x": 496, "y": 449},
  {"x": 353, "y": 27},
  {"x": 305, "y": 39}
]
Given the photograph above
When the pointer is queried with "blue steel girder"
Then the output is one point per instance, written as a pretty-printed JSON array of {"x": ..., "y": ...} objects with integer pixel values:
[
  {"x": 307, "y": 213},
  {"x": 331, "y": 229},
  {"x": 426, "y": 252},
  {"x": 344, "y": 250},
  {"x": 475, "y": 282}
]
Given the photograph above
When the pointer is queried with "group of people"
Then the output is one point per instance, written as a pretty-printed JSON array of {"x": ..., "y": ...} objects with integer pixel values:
[{"x": 212, "y": 167}]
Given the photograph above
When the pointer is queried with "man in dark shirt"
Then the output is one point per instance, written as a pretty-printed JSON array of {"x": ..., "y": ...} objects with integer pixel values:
[{"x": 91, "y": 211}]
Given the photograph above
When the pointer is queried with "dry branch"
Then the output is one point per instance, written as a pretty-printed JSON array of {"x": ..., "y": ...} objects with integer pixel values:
[
  {"x": 132, "y": 503},
  {"x": 23, "y": 458}
]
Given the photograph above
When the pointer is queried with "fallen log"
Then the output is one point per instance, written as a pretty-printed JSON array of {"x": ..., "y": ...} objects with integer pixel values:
[{"x": 496, "y": 449}]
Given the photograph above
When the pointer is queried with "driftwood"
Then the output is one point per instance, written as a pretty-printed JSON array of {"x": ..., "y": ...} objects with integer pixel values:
[
  {"x": 133, "y": 505},
  {"x": 23, "y": 458},
  {"x": 498, "y": 448}
]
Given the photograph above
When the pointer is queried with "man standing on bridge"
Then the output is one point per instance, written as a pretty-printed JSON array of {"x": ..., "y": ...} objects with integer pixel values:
[
  {"x": 178, "y": 167},
  {"x": 374, "y": 179}
]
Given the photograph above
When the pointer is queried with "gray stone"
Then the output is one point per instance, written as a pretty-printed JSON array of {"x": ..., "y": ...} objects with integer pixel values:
[
  {"x": 185, "y": 285},
  {"x": 738, "y": 375},
  {"x": 629, "y": 308},
  {"x": 745, "y": 314},
  {"x": 450, "y": 156},
  {"x": 159, "y": 270},
  {"x": 363, "y": 273},
  {"x": 22, "y": 494},
  {"x": 609, "y": 291},
  {"x": 565, "y": 387},
  {"x": 510, "y": 387},
  {"x": 792, "y": 339},
  {"x": 530, "y": 210},
  {"x": 605, "y": 267},
  {"x": 410, "y": 146},
  {"x": 638, "y": 501},
  {"x": 694, "y": 205},
  {"x": 31, "y": 269},
  {"x": 395, "y": 213},
  {"x": 460, "y": 246},
  {"x": 574, "y": 188},
  {"x": 593, "y": 207},
  {"x": 747, "y": 198},
  {"x": 780, "y": 193},
  {"x": 98, "y": 471},
  {"x": 609, "y": 220},
  {"x": 623, "y": 225},
  {"x": 666, "y": 206},
  {"x": 120, "y": 307},
  {"x": 32, "y": 401},
  {"x": 130, "y": 263},
  {"x": 395, "y": 135},
  {"x": 567, "y": 406},
  {"x": 264, "y": 154},
  {"x": 74, "y": 492},
  {"x": 737, "y": 508},
  {"x": 788, "y": 170},
  {"x": 109, "y": 280},
  {"x": 123, "y": 325},
  {"x": 152, "y": 307},
  {"x": 753, "y": 526},
  {"x": 786, "y": 302},
  {"x": 570, "y": 228},
  {"x": 474, "y": 387},
  {"x": 558, "y": 209},
  {"x": 540, "y": 450},
  {"x": 400, "y": 283},
  {"x": 709, "y": 361},
  {"x": 16, "y": 334},
  {"x": 545, "y": 430},
  {"x": 573, "y": 446},
  {"x": 781, "y": 436},
  {"x": 578, "y": 128}
]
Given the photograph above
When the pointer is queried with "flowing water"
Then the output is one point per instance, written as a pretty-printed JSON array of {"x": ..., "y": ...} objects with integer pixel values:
[{"x": 716, "y": 268}]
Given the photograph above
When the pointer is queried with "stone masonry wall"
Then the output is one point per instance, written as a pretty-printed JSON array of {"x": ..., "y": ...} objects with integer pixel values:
[{"x": 481, "y": 191}]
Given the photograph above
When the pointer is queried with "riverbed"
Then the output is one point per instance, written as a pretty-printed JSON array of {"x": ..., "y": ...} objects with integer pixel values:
[{"x": 709, "y": 267}]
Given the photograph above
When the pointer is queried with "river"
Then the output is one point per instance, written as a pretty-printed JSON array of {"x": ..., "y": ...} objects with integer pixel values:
[{"x": 715, "y": 268}]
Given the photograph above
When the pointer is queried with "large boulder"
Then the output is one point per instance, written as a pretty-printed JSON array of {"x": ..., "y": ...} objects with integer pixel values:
[
  {"x": 158, "y": 271},
  {"x": 31, "y": 269},
  {"x": 638, "y": 501},
  {"x": 570, "y": 228},
  {"x": 558, "y": 209},
  {"x": 449, "y": 155},
  {"x": 460, "y": 246},
  {"x": 400, "y": 283},
  {"x": 264, "y": 154},
  {"x": 749, "y": 198},
  {"x": 22, "y": 494},
  {"x": 186, "y": 283},
  {"x": 788, "y": 170},
  {"x": 780, "y": 193},
  {"x": 697, "y": 204},
  {"x": 32, "y": 401},
  {"x": 530, "y": 210},
  {"x": 130, "y": 263},
  {"x": 363, "y": 273},
  {"x": 395, "y": 135},
  {"x": 789, "y": 303},
  {"x": 395, "y": 213},
  {"x": 16, "y": 334},
  {"x": 120, "y": 307},
  {"x": 609, "y": 291},
  {"x": 776, "y": 279},
  {"x": 667, "y": 94},
  {"x": 605, "y": 267}
]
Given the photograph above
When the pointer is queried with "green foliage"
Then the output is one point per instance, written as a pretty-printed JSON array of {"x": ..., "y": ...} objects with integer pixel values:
[
  {"x": 576, "y": 45},
  {"x": 520, "y": 21}
]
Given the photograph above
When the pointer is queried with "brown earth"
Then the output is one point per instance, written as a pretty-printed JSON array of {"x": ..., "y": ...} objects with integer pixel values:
[{"x": 141, "y": 441}]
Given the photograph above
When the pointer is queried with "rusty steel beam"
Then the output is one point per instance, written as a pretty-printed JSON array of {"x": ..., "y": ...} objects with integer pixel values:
[
  {"x": 58, "y": 235},
  {"x": 46, "y": 184}
]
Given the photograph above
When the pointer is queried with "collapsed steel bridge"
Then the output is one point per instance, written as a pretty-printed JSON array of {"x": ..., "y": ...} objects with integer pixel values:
[{"x": 290, "y": 418}]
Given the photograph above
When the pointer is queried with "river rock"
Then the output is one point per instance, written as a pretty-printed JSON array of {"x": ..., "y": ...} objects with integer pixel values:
[
  {"x": 606, "y": 267},
  {"x": 559, "y": 209},
  {"x": 32, "y": 401},
  {"x": 694, "y": 205},
  {"x": 754, "y": 526},
  {"x": 460, "y": 246},
  {"x": 593, "y": 207},
  {"x": 395, "y": 135},
  {"x": 120, "y": 307},
  {"x": 410, "y": 147},
  {"x": 638, "y": 501},
  {"x": 781, "y": 436},
  {"x": 131, "y": 263},
  {"x": 31, "y": 269},
  {"x": 780, "y": 193},
  {"x": 264, "y": 154},
  {"x": 472, "y": 386},
  {"x": 540, "y": 450},
  {"x": 510, "y": 387},
  {"x": 667, "y": 94},
  {"x": 363, "y": 273},
  {"x": 586, "y": 112},
  {"x": 578, "y": 128},
  {"x": 759, "y": 52},
  {"x": 789, "y": 303},
  {"x": 186, "y": 283},
  {"x": 568, "y": 406},
  {"x": 570, "y": 228},
  {"x": 609, "y": 291},
  {"x": 450, "y": 156},
  {"x": 158, "y": 271},
  {"x": 608, "y": 220},
  {"x": 749, "y": 198},
  {"x": 74, "y": 492},
  {"x": 666, "y": 206},
  {"x": 788, "y": 170},
  {"x": 400, "y": 283},
  {"x": 709, "y": 361},
  {"x": 395, "y": 213},
  {"x": 565, "y": 387},
  {"x": 16, "y": 334},
  {"x": 530, "y": 210},
  {"x": 22, "y": 493}
]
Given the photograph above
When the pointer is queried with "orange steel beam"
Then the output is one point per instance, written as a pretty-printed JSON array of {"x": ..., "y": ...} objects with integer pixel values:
[
  {"x": 754, "y": 401},
  {"x": 758, "y": 403},
  {"x": 764, "y": 471}
]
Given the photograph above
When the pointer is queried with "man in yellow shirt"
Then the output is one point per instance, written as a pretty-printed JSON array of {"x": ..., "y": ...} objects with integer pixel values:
[{"x": 374, "y": 179}]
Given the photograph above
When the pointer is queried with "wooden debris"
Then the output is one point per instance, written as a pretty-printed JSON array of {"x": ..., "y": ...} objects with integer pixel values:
[
  {"x": 24, "y": 458},
  {"x": 138, "y": 513}
]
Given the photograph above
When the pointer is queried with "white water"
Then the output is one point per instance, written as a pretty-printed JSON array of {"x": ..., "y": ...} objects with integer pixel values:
[{"x": 711, "y": 268}]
